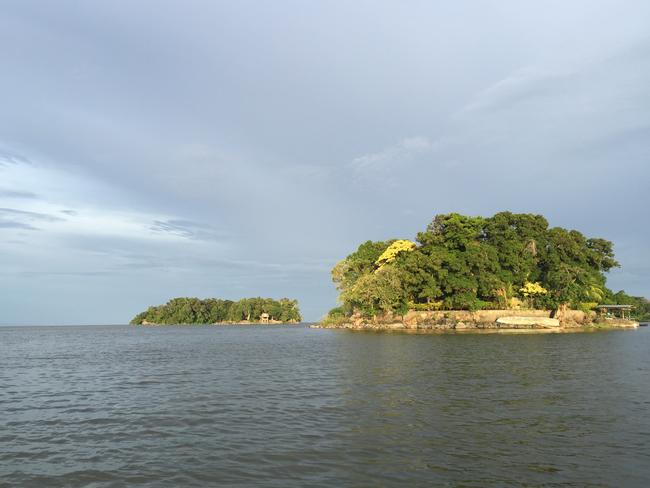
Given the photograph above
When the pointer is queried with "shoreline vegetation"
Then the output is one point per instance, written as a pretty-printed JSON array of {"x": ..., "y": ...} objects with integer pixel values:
[
  {"x": 505, "y": 273},
  {"x": 215, "y": 311}
]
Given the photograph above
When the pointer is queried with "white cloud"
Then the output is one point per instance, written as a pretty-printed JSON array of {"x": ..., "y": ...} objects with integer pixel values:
[
  {"x": 63, "y": 204},
  {"x": 392, "y": 155},
  {"x": 520, "y": 85},
  {"x": 65, "y": 229}
]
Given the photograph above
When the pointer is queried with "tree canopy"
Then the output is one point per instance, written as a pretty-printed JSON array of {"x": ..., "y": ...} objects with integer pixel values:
[
  {"x": 459, "y": 262},
  {"x": 215, "y": 310}
]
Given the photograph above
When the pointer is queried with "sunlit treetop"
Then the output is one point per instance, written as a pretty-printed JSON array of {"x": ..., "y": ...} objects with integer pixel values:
[{"x": 391, "y": 252}]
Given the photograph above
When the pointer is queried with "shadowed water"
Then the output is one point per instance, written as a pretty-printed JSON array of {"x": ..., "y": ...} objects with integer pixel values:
[{"x": 291, "y": 407}]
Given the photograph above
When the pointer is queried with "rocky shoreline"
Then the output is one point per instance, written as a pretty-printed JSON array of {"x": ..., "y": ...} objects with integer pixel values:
[
  {"x": 495, "y": 321},
  {"x": 243, "y": 322}
]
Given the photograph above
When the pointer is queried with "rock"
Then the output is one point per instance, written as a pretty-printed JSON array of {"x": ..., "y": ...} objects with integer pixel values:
[
  {"x": 619, "y": 323},
  {"x": 395, "y": 325},
  {"x": 411, "y": 321},
  {"x": 518, "y": 322}
]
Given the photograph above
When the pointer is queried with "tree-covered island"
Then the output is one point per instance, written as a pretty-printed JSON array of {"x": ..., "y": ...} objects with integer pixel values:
[
  {"x": 184, "y": 311},
  {"x": 505, "y": 271}
]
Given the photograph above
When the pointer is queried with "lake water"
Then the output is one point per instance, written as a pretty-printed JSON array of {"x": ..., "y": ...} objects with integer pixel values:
[{"x": 293, "y": 407}]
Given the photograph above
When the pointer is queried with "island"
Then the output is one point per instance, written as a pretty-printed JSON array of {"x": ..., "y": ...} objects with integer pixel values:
[
  {"x": 195, "y": 311},
  {"x": 509, "y": 272}
]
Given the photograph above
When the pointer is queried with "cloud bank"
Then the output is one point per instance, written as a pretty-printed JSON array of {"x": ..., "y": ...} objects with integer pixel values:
[{"x": 237, "y": 149}]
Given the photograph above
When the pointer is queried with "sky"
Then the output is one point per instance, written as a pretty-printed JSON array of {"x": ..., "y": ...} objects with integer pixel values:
[{"x": 152, "y": 149}]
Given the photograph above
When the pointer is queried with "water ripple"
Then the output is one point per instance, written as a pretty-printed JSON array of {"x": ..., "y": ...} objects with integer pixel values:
[{"x": 292, "y": 407}]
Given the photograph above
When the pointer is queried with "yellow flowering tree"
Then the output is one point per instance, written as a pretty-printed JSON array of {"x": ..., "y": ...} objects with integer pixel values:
[
  {"x": 532, "y": 291},
  {"x": 391, "y": 252}
]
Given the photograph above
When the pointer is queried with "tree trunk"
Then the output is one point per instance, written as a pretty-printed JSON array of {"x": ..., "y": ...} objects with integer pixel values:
[{"x": 559, "y": 312}]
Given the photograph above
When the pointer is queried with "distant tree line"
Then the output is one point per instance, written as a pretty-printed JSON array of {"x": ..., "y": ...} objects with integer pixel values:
[
  {"x": 214, "y": 310},
  {"x": 505, "y": 261}
]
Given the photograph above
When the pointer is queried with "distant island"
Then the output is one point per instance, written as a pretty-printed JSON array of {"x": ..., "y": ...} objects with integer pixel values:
[
  {"x": 187, "y": 311},
  {"x": 505, "y": 272}
]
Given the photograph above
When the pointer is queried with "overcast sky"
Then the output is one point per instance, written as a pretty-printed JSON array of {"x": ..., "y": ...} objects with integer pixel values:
[{"x": 152, "y": 149}]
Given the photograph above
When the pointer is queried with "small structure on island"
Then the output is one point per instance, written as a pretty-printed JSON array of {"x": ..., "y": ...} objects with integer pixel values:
[
  {"x": 617, "y": 311},
  {"x": 264, "y": 318}
]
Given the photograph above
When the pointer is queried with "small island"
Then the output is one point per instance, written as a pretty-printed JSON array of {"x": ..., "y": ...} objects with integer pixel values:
[
  {"x": 508, "y": 272},
  {"x": 195, "y": 311}
]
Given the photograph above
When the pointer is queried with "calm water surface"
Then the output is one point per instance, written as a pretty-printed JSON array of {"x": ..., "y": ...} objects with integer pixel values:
[{"x": 292, "y": 407}]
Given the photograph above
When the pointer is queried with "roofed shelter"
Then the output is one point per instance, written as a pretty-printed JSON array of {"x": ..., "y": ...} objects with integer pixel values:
[{"x": 620, "y": 311}]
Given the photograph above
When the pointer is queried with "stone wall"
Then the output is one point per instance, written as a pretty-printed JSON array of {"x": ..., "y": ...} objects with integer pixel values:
[
  {"x": 480, "y": 320},
  {"x": 480, "y": 316}
]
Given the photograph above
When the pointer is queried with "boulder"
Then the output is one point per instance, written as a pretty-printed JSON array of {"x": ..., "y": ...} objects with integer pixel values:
[
  {"x": 394, "y": 325},
  {"x": 410, "y": 320},
  {"x": 464, "y": 326}
]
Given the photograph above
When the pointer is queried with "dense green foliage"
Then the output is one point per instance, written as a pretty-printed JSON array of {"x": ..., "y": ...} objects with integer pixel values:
[
  {"x": 504, "y": 261},
  {"x": 214, "y": 310}
]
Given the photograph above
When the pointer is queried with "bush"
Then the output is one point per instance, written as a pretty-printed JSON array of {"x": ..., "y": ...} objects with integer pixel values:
[
  {"x": 425, "y": 307},
  {"x": 334, "y": 320}
]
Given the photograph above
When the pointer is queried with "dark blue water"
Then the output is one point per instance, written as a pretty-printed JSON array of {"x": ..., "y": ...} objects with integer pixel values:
[{"x": 293, "y": 407}]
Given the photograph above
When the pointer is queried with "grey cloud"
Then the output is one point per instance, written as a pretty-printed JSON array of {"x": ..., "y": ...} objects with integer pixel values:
[
  {"x": 17, "y": 194},
  {"x": 9, "y": 157},
  {"x": 8, "y": 224},
  {"x": 619, "y": 74},
  {"x": 187, "y": 229},
  {"x": 27, "y": 215},
  {"x": 83, "y": 274},
  {"x": 628, "y": 144},
  {"x": 11, "y": 218}
]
